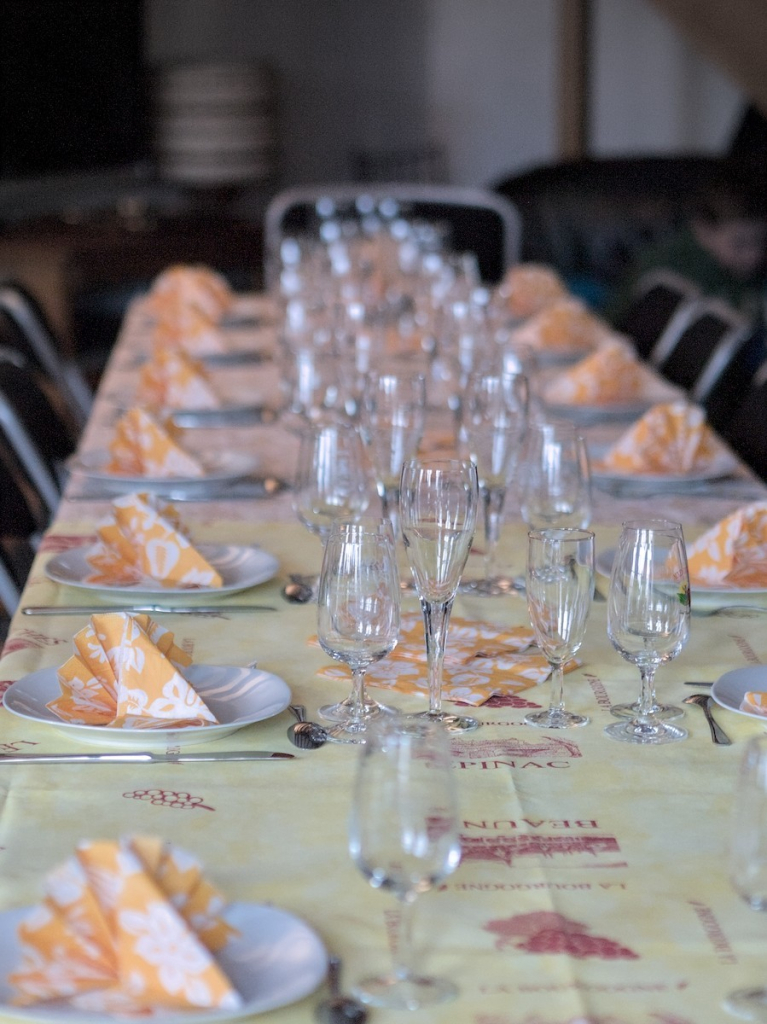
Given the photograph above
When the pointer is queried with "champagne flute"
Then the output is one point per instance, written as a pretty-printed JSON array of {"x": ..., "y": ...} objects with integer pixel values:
[
  {"x": 560, "y": 585},
  {"x": 392, "y": 421},
  {"x": 556, "y": 479},
  {"x": 648, "y": 617},
  {"x": 358, "y": 615},
  {"x": 403, "y": 837},
  {"x": 438, "y": 513},
  {"x": 331, "y": 480},
  {"x": 494, "y": 422},
  {"x": 748, "y": 859}
]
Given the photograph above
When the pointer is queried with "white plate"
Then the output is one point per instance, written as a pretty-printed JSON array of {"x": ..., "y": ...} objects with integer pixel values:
[
  {"x": 730, "y": 689},
  {"x": 723, "y": 465},
  {"x": 239, "y": 568},
  {"x": 236, "y": 696},
  {"x": 277, "y": 959},
  {"x": 221, "y": 467},
  {"x": 700, "y": 596}
]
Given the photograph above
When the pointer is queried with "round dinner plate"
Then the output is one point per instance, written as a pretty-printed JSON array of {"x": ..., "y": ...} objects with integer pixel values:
[
  {"x": 730, "y": 689},
  {"x": 276, "y": 960},
  {"x": 220, "y": 467},
  {"x": 239, "y": 568},
  {"x": 236, "y": 696},
  {"x": 701, "y": 596},
  {"x": 723, "y": 464}
]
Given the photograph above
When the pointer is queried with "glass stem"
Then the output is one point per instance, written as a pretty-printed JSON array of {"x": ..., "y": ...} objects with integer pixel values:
[
  {"x": 436, "y": 616},
  {"x": 357, "y": 695},
  {"x": 390, "y": 505},
  {"x": 557, "y": 702},
  {"x": 647, "y": 696},
  {"x": 493, "y": 498},
  {"x": 402, "y": 952}
]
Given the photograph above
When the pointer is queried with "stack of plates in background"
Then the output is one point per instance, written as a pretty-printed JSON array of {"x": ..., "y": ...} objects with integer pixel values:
[{"x": 215, "y": 123}]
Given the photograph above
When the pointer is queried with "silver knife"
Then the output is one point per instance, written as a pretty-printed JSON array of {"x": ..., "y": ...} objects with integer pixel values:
[
  {"x": 49, "y": 609},
  {"x": 143, "y": 757}
]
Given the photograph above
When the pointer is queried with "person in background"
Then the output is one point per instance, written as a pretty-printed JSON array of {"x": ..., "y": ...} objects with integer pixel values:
[{"x": 722, "y": 247}]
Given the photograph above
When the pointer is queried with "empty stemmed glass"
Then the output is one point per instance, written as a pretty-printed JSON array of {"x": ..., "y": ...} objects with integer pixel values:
[
  {"x": 560, "y": 585},
  {"x": 493, "y": 425},
  {"x": 403, "y": 837},
  {"x": 392, "y": 421},
  {"x": 358, "y": 615},
  {"x": 648, "y": 618},
  {"x": 438, "y": 514},
  {"x": 748, "y": 859},
  {"x": 555, "y": 488},
  {"x": 331, "y": 480}
]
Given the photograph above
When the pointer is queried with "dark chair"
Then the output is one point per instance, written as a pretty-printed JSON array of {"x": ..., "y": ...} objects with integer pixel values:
[
  {"x": 657, "y": 296},
  {"x": 23, "y": 517},
  {"x": 479, "y": 221},
  {"x": 33, "y": 431},
  {"x": 746, "y": 430},
  {"x": 699, "y": 343},
  {"x": 26, "y": 328}
]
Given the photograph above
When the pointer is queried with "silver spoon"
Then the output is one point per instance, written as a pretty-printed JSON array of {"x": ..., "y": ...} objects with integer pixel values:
[
  {"x": 338, "y": 1009},
  {"x": 303, "y": 734},
  {"x": 703, "y": 700},
  {"x": 297, "y": 593}
]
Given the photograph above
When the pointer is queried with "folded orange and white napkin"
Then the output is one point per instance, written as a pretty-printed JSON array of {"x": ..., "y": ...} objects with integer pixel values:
[
  {"x": 143, "y": 541},
  {"x": 175, "y": 380},
  {"x": 194, "y": 285},
  {"x": 126, "y": 927},
  {"x": 126, "y": 673},
  {"x": 671, "y": 437},
  {"x": 179, "y": 325},
  {"x": 564, "y": 325},
  {"x": 527, "y": 288},
  {"x": 733, "y": 553},
  {"x": 481, "y": 661},
  {"x": 611, "y": 374},
  {"x": 143, "y": 447}
]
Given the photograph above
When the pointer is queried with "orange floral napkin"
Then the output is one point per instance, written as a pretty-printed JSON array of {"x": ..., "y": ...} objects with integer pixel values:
[
  {"x": 126, "y": 674},
  {"x": 143, "y": 447},
  {"x": 175, "y": 380},
  {"x": 672, "y": 437},
  {"x": 192, "y": 285},
  {"x": 733, "y": 552},
  {"x": 126, "y": 927},
  {"x": 180, "y": 325},
  {"x": 481, "y": 660},
  {"x": 143, "y": 541},
  {"x": 565, "y": 325},
  {"x": 609, "y": 375},
  {"x": 528, "y": 288},
  {"x": 755, "y": 703}
]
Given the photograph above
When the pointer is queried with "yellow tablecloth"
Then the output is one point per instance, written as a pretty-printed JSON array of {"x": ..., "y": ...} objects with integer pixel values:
[{"x": 593, "y": 886}]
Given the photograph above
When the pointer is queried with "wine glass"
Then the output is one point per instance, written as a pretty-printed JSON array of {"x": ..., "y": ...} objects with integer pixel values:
[
  {"x": 648, "y": 617},
  {"x": 358, "y": 615},
  {"x": 331, "y": 480},
  {"x": 403, "y": 837},
  {"x": 748, "y": 859},
  {"x": 494, "y": 422},
  {"x": 556, "y": 479},
  {"x": 560, "y": 585},
  {"x": 438, "y": 514},
  {"x": 392, "y": 421}
]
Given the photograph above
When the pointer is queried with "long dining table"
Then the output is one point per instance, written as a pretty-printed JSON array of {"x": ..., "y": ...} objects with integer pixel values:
[{"x": 593, "y": 885}]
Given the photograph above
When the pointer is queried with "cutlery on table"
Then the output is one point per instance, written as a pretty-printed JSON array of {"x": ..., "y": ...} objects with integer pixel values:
[
  {"x": 242, "y": 416},
  {"x": 699, "y": 682},
  {"x": 303, "y": 734},
  {"x": 144, "y": 757},
  {"x": 703, "y": 700},
  {"x": 248, "y": 487},
  {"x": 733, "y": 611},
  {"x": 338, "y": 1009},
  {"x": 49, "y": 609}
]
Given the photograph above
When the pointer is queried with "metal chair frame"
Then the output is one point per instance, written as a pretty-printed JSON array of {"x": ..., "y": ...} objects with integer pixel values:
[
  {"x": 446, "y": 195},
  {"x": 64, "y": 373},
  {"x": 736, "y": 330}
]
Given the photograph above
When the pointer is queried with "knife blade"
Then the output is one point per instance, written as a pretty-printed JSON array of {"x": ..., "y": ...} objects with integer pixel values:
[
  {"x": 47, "y": 609},
  {"x": 144, "y": 757}
]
